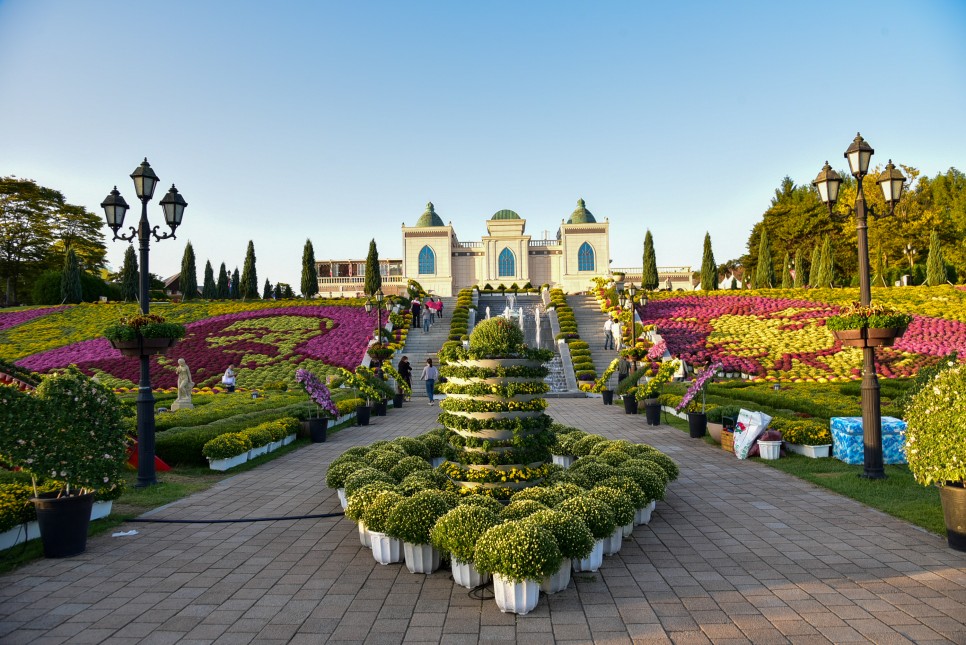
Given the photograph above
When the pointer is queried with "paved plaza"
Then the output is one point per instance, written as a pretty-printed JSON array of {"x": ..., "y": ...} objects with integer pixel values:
[{"x": 737, "y": 553}]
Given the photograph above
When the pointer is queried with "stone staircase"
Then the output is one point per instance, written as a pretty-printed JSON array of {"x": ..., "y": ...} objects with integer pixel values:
[
  {"x": 420, "y": 346},
  {"x": 590, "y": 323}
]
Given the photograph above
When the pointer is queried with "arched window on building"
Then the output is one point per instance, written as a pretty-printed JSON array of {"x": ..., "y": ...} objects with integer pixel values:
[
  {"x": 427, "y": 261},
  {"x": 585, "y": 257},
  {"x": 506, "y": 265}
]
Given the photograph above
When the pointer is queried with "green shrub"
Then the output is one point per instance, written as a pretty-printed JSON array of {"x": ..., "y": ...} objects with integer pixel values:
[
  {"x": 336, "y": 475},
  {"x": 364, "y": 476},
  {"x": 518, "y": 509},
  {"x": 572, "y": 536},
  {"x": 259, "y": 435},
  {"x": 411, "y": 519},
  {"x": 227, "y": 446},
  {"x": 377, "y": 513},
  {"x": 407, "y": 466},
  {"x": 598, "y": 516},
  {"x": 620, "y": 503},
  {"x": 936, "y": 433},
  {"x": 517, "y": 551},
  {"x": 458, "y": 531},
  {"x": 362, "y": 498}
]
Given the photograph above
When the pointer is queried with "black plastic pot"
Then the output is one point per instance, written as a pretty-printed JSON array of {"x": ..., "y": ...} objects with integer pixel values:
[
  {"x": 630, "y": 404},
  {"x": 379, "y": 408},
  {"x": 397, "y": 400},
  {"x": 953, "y": 499},
  {"x": 652, "y": 409},
  {"x": 63, "y": 523},
  {"x": 608, "y": 396},
  {"x": 317, "y": 429},
  {"x": 362, "y": 415},
  {"x": 697, "y": 424}
]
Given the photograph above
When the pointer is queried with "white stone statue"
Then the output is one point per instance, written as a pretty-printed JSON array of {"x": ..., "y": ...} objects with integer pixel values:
[
  {"x": 184, "y": 387},
  {"x": 488, "y": 312}
]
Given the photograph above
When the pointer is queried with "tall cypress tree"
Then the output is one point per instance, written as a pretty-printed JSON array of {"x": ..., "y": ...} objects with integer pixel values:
[
  {"x": 310, "y": 275},
  {"x": 879, "y": 268},
  {"x": 826, "y": 268},
  {"x": 709, "y": 270},
  {"x": 70, "y": 281},
  {"x": 209, "y": 291},
  {"x": 235, "y": 290},
  {"x": 287, "y": 292},
  {"x": 935, "y": 262},
  {"x": 786, "y": 274},
  {"x": 249, "y": 277},
  {"x": 815, "y": 267},
  {"x": 129, "y": 275},
  {"x": 224, "y": 285},
  {"x": 649, "y": 279},
  {"x": 277, "y": 291},
  {"x": 373, "y": 280},
  {"x": 189, "y": 274},
  {"x": 765, "y": 271},
  {"x": 799, "y": 269},
  {"x": 267, "y": 290}
]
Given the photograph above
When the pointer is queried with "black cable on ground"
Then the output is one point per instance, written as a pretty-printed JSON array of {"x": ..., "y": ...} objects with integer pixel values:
[{"x": 241, "y": 520}]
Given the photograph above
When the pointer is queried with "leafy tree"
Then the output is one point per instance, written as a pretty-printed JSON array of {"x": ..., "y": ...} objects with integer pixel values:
[
  {"x": 815, "y": 267},
  {"x": 249, "y": 277},
  {"x": 26, "y": 231},
  {"x": 74, "y": 227},
  {"x": 765, "y": 271},
  {"x": 799, "y": 270},
  {"x": 71, "y": 291},
  {"x": 935, "y": 264},
  {"x": 235, "y": 289},
  {"x": 129, "y": 276},
  {"x": 709, "y": 269},
  {"x": 649, "y": 279},
  {"x": 786, "y": 275},
  {"x": 310, "y": 274},
  {"x": 189, "y": 274},
  {"x": 267, "y": 290},
  {"x": 373, "y": 280},
  {"x": 210, "y": 290},
  {"x": 224, "y": 284}
]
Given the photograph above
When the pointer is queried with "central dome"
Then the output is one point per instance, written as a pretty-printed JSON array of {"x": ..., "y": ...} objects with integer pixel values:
[
  {"x": 429, "y": 218},
  {"x": 505, "y": 214},
  {"x": 581, "y": 215}
]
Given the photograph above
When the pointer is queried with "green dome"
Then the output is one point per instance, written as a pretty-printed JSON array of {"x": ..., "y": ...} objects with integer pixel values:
[
  {"x": 429, "y": 218},
  {"x": 581, "y": 215},
  {"x": 505, "y": 214}
]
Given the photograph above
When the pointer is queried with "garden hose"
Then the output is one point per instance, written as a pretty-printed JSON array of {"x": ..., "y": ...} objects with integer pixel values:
[{"x": 242, "y": 520}]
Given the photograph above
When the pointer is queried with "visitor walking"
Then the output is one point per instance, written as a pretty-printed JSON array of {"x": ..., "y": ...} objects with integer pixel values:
[
  {"x": 427, "y": 321},
  {"x": 430, "y": 374},
  {"x": 228, "y": 380},
  {"x": 415, "y": 309},
  {"x": 617, "y": 331},
  {"x": 439, "y": 308},
  {"x": 608, "y": 334},
  {"x": 406, "y": 372}
]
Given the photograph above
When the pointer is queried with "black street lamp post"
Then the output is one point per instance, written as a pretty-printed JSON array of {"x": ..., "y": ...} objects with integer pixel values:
[
  {"x": 891, "y": 181},
  {"x": 173, "y": 204}
]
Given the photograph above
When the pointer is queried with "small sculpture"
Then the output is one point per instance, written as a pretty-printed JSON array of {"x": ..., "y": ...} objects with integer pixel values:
[{"x": 184, "y": 388}]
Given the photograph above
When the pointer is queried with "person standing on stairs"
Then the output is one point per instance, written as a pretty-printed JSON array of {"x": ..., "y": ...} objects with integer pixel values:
[
  {"x": 415, "y": 311},
  {"x": 429, "y": 375},
  {"x": 608, "y": 333},
  {"x": 406, "y": 372},
  {"x": 427, "y": 319}
]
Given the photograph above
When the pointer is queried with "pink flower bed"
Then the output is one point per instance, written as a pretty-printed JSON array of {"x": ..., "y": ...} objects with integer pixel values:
[{"x": 14, "y": 318}]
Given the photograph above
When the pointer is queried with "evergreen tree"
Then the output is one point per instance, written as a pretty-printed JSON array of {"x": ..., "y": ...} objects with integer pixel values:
[
  {"x": 373, "y": 280},
  {"x": 189, "y": 274},
  {"x": 310, "y": 275},
  {"x": 765, "y": 271},
  {"x": 267, "y": 290},
  {"x": 235, "y": 290},
  {"x": 224, "y": 284},
  {"x": 709, "y": 269},
  {"x": 277, "y": 292},
  {"x": 815, "y": 267},
  {"x": 935, "y": 263},
  {"x": 288, "y": 293},
  {"x": 210, "y": 290},
  {"x": 734, "y": 283},
  {"x": 825, "y": 266},
  {"x": 786, "y": 274},
  {"x": 649, "y": 279},
  {"x": 129, "y": 276},
  {"x": 249, "y": 277},
  {"x": 70, "y": 280},
  {"x": 880, "y": 270},
  {"x": 799, "y": 270}
]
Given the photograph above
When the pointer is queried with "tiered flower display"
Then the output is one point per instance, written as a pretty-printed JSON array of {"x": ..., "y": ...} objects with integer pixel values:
[{"x": 494, "y": 411}]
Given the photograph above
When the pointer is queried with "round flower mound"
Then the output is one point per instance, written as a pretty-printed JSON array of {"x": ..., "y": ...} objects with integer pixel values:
[
  {"x": 665, "y": 462},
  {"x": 648, "y": 477},
  {"x": 459, "y": 529},
  {"x": 584, "y": 445},
  {"x": 364, "y": 476},
  {"x": 517, "y": 510},
  {"x": 483, "y": 501},
  {"x": 619, "y": 502},
  {"x": 597, "y": 515},
  {"x": 412, "y": 518},
  {"x": 497, "y": 338},
  {"x": 571, "y": 534},
  {"x": 518, "y": 551},
  {"x": 546, "y": 495},
  {"x": 566, "y": 490},
  {"x": 407, "y": 466},
  {"x": 376, "y": 516},
  {"x": 363, "y": 497},
  {"x": 629, "y": 487},
  {"x": 435, "y": 446},
  {"x": 591, "y": 473},
  {"x": 385, "y": 460},
  {"x": 614, "y": 457},
  {"x": 935, "y": 444},
  {"x": 412, "y": 446},
  {"x": 601, "y": 447}
]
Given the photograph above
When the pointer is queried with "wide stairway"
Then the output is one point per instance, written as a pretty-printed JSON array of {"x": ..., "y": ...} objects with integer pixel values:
[
  {"x": 590, "y": 324},
  {"x": 420, "y": 346}
]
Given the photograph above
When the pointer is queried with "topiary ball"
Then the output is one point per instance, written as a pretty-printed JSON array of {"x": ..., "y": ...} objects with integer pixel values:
[
  {"x": 483, "y": 501},
  {"x": 496, "y": 337},
  {"x": 407, "y": 466},
  {"x": 519, "y": 509},
  {"x": 573, "y": 537}
]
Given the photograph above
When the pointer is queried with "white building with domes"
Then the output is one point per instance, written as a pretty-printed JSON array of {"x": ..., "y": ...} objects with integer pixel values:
[{"x": 434, "y": 256}]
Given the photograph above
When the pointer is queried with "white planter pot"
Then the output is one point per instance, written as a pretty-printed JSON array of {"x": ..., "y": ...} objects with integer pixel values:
[
  {"x": 593, "y": 561},
  {"x": 515, "y": 597},
  {"x": 342, "y": 498},
  {"x": 17, "y": 535},
  {"x": 274, "y": 445},
  {"x": 289, "y": 439},
  {"x": 815, "y": 452},
  {"x": 101, "y": 509},
  {"x": 769, "y": 449},
  {"x": 257, "y": 452},
  {"x": 558, "y": 581},
  {"x": 465, "y": 574},
  {"x": 627, "y": 529},
  {"x": 230, "y": 462},
  {"x": 613, "y": 544},
  {"x": 421, "y": 558},
  {"x": 364, "y": 538},
  {"x": 435, "y": 462},
  {"x": 564, "y": 461},
  {"x": 385, "y": 550},
  {"x": 643, "y": 515}
]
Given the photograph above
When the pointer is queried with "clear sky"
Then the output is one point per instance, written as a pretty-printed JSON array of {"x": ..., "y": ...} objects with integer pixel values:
[{"x": 338, "y": 121}]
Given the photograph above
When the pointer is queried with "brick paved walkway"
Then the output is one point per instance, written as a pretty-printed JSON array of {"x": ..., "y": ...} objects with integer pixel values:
[{"x": 722, "y": 561}]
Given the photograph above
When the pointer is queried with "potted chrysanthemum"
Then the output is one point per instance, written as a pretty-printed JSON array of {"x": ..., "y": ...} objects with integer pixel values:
[
  {"x": 320, "y": 394},
  {"x": 144, "y": 334},
  {"x": 623, "y": 508},
  {"x": 868, "y": 326},
  {"x": 573, "y": 539},
  {"x": 697, "y": 417},
  {"x": 519, "y": 555},
  {"x": 385, "y": 548},
  {"x": 360, "y": 502},
  {"x": 456, "y": 533},
  {"x": 411, "y": 521},
  {"x": 599, "y": 518}
]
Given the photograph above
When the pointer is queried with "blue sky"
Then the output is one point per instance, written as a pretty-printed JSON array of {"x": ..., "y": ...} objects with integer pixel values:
[{"x": 339, "y": 121}]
